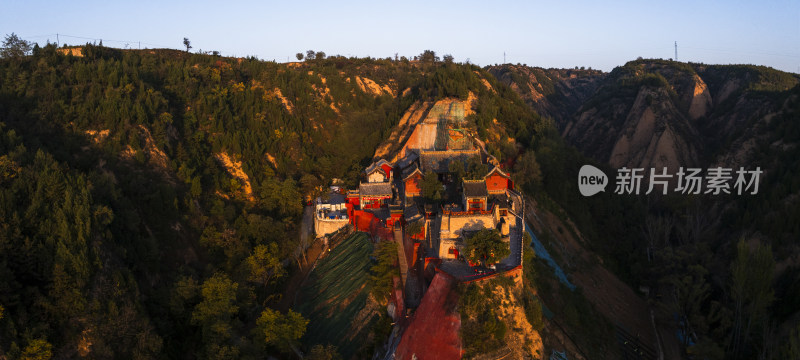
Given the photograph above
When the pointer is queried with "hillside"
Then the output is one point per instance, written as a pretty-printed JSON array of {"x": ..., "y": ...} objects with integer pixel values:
[
  {"x": 554, "y": 93},
  {"x": 687, "y": 250},
  {"x": 151, "y": 199},
  {"x": 653, "y": 113}
]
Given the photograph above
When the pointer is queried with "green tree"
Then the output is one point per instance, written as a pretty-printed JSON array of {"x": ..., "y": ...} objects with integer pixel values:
[
  {"x": 187, "y": 44},
  {"x": 430, "y": 187},
  {"x": 527, "y": 173},
  {"x": 309, "y": 185},
  {"x": 319, "y": 352},
  {"x": 299, "y": 56},
  {"x": 281, "y": 331},
  {"x": 791, "y": 347},
  {"x": 481, "y": 326},
  {"x": 752, "y": 274},
  {"x": 265, "y": 264},
  {"x": 185, "y": 290},
  {"x": 218, "y": 306},
  {"x": 456, "y": 169},
  {"x": 197, "y": 187},
  {"x": 476, "y": 170},
  {"x": 486, "y": 247},
  {"x": 448, "y": 59},
  {"x": 320, "y": 55},
  {"x": 690, "y": 292},
  {"x": 310, "y": 54},
  {"x": 37, "y": 349},
  {"x": 14, "y": 47},
  {"x": 384, "y": 270},
  {"x": 415, "y": 228},
  {"x": 428, "y": 56}
]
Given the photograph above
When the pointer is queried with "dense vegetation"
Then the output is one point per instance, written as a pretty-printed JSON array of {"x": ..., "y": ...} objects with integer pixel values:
[
  {"x": 482, "y": 328},
  {"x": 126, "y": 229},
  {"x": 690, "y": 250},
  {"x": 151, "y": 200}
]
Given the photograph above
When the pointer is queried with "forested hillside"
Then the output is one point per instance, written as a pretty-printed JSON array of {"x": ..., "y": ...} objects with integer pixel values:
[
  {"x": 150, "y": 199},
  {"x": 724, "y": 267}
]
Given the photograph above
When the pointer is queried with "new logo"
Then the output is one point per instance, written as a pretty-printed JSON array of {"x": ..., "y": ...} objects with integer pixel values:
[{"x": 591, "y": 180}]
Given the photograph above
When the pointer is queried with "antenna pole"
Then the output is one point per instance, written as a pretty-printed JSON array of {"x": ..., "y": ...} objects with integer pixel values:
[
  {"x": 504, "y": 57},
  {"x": 57, "y": 40},
  {"x": 676, "y": 51}
]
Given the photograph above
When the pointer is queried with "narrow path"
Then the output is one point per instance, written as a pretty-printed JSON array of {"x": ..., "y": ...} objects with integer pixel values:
[{"x": 401, "y": 256}]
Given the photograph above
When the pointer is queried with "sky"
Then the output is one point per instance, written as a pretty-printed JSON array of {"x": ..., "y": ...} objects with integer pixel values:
[{"x": 559, "y": 34}]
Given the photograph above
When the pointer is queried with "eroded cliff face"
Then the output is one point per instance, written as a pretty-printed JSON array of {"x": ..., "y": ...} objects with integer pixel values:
[
  {"x": 655, "y": 113},
  {"x": 554, "y": 93},
  {"x": 655, "y": 134}
]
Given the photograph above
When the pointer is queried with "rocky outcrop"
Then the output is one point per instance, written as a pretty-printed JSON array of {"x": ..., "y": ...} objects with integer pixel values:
[
  {"x": 554, "y": 93},
  {"x": 234, "y": 168},
  {"x": 417, "y": 127},
  {"x": 655, "y": 113},
  {"x": 371, "y": 87},
  {"x": 700, "y": 103},
  {"x": 652, "y": 136}
]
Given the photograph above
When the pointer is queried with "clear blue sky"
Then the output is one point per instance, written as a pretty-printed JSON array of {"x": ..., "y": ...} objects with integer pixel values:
[{"x": 600, "y": 34}]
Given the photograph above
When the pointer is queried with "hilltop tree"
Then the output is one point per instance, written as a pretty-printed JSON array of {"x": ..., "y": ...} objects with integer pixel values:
[
  {"x": 320, "y": 55},
  {"x": 187, "y": 44},
  {"x": 428, "y": 56},
  {"x": 14, "y": 47},
  {"x": 448, "y": 59},
  {"x": 299, "y": 56},
  {"x": 310, "y": 55},
  {"x": 486, "y": 247}
]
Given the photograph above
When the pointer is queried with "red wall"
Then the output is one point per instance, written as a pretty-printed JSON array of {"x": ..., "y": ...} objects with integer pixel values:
[
  {"x": 387, "y": 170},
  {"x": 476, "y": 204},
  {"x": 412, "y": 186},
  {"x": 397, "y": 298},
  {"x": 433, "y": 331},
  {"x": 496, "y": 183}
]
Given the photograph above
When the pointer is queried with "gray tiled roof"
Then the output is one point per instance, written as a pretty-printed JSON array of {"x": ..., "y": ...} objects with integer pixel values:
[
  {"x": 500, "y": 199},
  {"x": 498, "y": 170},
  {"x": 410, "y": 170},
  {"x": 410, "y": 158},
  {"x": 438, "y": 161},
  {"x": 375, "y": 189},
  {"x": 475, "y": 189},
  {"x": 376, "y": 165}
]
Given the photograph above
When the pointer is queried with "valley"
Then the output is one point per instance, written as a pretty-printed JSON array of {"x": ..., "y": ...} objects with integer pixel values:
[{"x": 164, "y": 204}]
